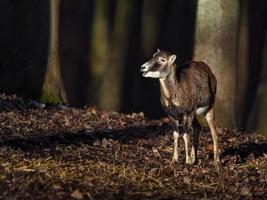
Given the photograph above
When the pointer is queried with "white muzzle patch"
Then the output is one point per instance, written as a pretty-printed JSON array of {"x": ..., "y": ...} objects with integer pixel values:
[{"x": 151, "y": 74}]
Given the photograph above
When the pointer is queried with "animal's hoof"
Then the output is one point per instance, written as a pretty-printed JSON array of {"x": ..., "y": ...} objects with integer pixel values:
[
  {"x": 174, "y": 160},
  {"x": 193, "y": 159},
  {"x": 189, "y": 161},
  {"x": 217, "y": 160}
]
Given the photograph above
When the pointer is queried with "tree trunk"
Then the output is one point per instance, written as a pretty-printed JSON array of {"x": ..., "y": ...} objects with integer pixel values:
[
  {"x": 216, "y": 43},
  {"x": 98, "y": 52},
  {"x": 110, "y": 97},
  {"x": 243, "y": 64},
  {"x": 256, "y": 84},
  {"x": 75, "y": 23},
  {"x": 145, "y": 44},
  {"x": 24, "y": 46},
  {"x": 53, "y": 88},
  {"x": 259, "y": 110},
  {"x": 151, "y": 17}
]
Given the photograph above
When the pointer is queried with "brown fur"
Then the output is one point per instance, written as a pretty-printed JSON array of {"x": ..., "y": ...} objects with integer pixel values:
[{"x": 194, "y": 86}]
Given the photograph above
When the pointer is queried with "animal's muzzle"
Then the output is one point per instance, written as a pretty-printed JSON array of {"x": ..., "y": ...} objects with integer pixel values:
[
  {"x": 143, "y": 68},
  {"x": 146, "y": 67}
]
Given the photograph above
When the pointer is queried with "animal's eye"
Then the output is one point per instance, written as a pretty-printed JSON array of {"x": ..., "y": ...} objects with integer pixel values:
[{"x": 162, "y": 60}]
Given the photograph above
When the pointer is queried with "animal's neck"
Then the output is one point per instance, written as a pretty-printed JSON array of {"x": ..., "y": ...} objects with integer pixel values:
[{"x": 169, "y": 84}]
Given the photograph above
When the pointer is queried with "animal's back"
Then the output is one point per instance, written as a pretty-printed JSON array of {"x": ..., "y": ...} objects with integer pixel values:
[{"x": 200, "y": 81}]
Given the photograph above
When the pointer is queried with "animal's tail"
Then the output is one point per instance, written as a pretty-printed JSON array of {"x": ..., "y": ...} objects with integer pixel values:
[{"x": 213, "y": 87}]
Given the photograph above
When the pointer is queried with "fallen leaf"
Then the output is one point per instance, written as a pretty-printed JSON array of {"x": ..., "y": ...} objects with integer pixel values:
[
  {"x": 245, "y": 191},
  {"x": 77, "y": 194}
]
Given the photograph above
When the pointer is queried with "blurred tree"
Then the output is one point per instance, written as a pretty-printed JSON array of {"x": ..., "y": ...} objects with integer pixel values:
[
  {"x": 256, "y": 97},
  {"x": 145, "y": 94},
  {"x": 98, "y": 51},
  {"x": 24, "y": 46},
  {"x": 110, "y": 97},
  {"x": 260, "y": 105},
  {"x": 53, "y": 90},
  {"x": 75, "y": 30},
  {"x": 243, "y": 64},
  {"x": 152, "y": 22},
  {"x": 216, "y": 43}
]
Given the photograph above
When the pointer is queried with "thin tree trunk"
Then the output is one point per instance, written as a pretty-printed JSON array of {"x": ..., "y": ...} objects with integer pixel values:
[
  {"x": 110, "y": 97},
  {"x": 151, "y": 18},
  {"x": 259, "y": 111},
  {"x": 257, "y": 32},
  {"x": 53, "y": 88},
  {"x": 243, "y": 63},
  {"x": 75, "y": 24},
  {"x": 216, "y": 43},
  {"x": 98, "y": 52},
  {"x": 153, "y": 26}
]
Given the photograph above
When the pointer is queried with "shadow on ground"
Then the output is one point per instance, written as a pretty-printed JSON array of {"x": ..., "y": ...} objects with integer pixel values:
[
  {"x": 128, "y": 135},
  {"x": 43, "y": 140},
  {"x": 246, "y": 149}
]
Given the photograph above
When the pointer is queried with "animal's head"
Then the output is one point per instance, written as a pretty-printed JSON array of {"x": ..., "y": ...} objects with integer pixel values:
[{"x": 159, "y": 66}]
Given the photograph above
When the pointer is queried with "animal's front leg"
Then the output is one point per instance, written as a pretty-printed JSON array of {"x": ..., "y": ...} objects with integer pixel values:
[
  {"x": 187, "y": 128},
  {"x": 175, "y": 146},
  {"x": 186, "y": 138},
  {"x": 175, "y": 126}
]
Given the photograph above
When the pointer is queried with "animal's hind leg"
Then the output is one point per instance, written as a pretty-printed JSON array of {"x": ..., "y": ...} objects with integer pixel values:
[
  {"x": 187, "y": 126},
  {"x": 196, "y": 132},
  {"x": 210, "y": 116}
]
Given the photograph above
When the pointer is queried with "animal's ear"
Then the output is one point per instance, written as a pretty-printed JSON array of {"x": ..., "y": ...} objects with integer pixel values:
[
  {"x": 156, "y": 52},
  {"x": 172, "y": 58}
]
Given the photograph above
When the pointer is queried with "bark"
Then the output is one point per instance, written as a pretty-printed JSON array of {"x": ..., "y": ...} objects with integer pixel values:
[
  {"x": 75, "y": 23},
  {"x": 110, "y": 97},
  {"x": 24, "y": 46},
  {"x": 151, "y": 16},
  {"x": 259, "y": 112},
  {"x": 53, "y": 90},
  {"x": 257, "y": 32},
  {"x": 144, "y": 44},
  {"x": 98, "y": 52},
  {"x": 216, "y": 43},
  {"x": 242, "y": 67}
]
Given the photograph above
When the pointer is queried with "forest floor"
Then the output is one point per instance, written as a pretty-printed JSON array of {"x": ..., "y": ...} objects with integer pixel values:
[{"x": 57, "y": 152}]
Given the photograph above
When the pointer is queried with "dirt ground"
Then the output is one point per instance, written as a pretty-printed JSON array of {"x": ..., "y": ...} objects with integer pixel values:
[{"x": 57, "y": 152}]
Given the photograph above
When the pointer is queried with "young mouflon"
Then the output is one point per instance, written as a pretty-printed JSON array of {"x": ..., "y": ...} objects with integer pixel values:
[{"x": 185, "y": 92}]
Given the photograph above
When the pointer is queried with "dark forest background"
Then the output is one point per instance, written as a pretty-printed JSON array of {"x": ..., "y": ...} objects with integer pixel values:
[{"x": 88, "y": 52}]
